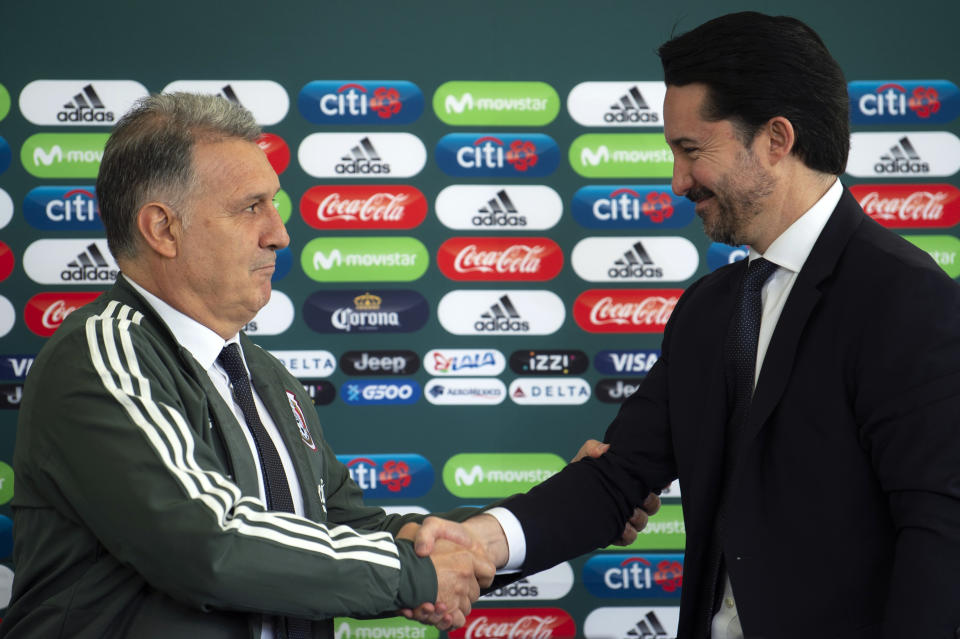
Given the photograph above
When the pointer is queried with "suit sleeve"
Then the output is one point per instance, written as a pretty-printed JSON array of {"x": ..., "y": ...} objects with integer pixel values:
[
  {"x": 118, "y": 453},
  {"x": 907, "y": 403}
]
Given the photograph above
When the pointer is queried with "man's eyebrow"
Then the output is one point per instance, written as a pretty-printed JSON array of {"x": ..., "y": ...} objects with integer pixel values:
[{"x": 679, "y": 141}]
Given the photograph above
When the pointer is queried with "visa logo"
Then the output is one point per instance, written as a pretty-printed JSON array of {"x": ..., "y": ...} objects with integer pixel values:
[
  {"x": 15, "y": 366},
  {"x": 625, "y": 362}
]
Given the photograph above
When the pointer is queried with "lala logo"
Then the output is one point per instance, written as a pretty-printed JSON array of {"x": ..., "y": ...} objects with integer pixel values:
[
  {"x": 301, "y": 420},
  {"x": 363, "y": 207},
  {"x": 625, "y": 310},
  {"x": 495, "y": 258}
]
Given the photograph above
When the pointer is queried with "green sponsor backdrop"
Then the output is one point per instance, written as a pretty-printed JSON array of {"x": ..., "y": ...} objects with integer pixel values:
[{"x": 559, "y": 43}]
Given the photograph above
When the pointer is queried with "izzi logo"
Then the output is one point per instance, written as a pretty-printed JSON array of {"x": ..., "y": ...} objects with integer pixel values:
[
  {"x": 389, "y": 311},
  {"x": 363, "y": 207},
  {"x": 904, "y": 155},
  {"x": 633, "y": 104},
  {"x": 723, "y": 254},
  {"x": 489, "y": 475},
  {"x": 904, "y": 102},
  {"x": 265, "y": 99},
  {"x": 636, "y": 622},
  {"x": 640, "y": 576},
  {"x": 631, "y": 207},
  {"x": 635, "y": 259},
  {"x": 625, "y": 362},
  {"x": 621, "y": 155},
  {"x": 499, "y": 208},
  {"x": 63, "y": 155},
  {"x": 910, "y": 205},
  {"x": 614, "y": 391},
  {"x": 568, "y": 391},
  {"x": 501, "y": 312},
  {"x": 304, "y": 364},
  {"x": 460, "y": 362},
  {"x": 362, "y": 155},
  {"x": 70, "y": 262},
  {"x": 364, "y": 259},
  {"x": 473, "y": 391},
  {"x": 360, "y": 392},
  {"x": 548, "y": 362},
  {"x": 496, "y": 103},
  {"x": 360, "y": 102},
  {"x": 380, "y": 362},
  {"x": 379, "y": 476},
  {"x": 392, "y": 628},
  {"x": 78, "y": 102},
  {"x": 62, "y": 208},
  {"x": 500, "y": 155}
]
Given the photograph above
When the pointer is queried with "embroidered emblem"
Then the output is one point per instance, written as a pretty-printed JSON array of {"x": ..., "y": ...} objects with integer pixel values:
[
  {"x": 301, "y": 421},
  {"x": 323, "y": 496}
]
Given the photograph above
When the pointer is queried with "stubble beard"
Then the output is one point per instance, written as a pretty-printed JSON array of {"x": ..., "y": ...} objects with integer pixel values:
[{"x": 737, "y": 203}]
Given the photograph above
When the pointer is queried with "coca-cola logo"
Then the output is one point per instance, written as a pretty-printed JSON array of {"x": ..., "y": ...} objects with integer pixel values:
[
  {"x": 495, "y": 258},
  {"x": 910, "y": 205},
  {"x": 517, "y": 623},
  {"x": 45, "y": 312},
  {"x": 625, "y": 310},
  {"x": 277, "y": 151},
  {"x": 363, "y": 207}
]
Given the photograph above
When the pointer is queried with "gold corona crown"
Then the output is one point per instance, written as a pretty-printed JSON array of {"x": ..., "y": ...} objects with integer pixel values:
[{"x": 367, "y": 302}]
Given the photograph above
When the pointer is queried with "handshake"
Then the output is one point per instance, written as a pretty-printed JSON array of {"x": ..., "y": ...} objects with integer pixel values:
[{"x": 467, "y": 555}]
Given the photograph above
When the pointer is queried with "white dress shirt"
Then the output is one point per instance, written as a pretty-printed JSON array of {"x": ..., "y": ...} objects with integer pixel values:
[{"x": 789, "y": 252}]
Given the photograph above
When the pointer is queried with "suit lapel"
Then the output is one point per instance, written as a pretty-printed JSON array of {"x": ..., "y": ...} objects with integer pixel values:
[{"x": 820, "y": 264}]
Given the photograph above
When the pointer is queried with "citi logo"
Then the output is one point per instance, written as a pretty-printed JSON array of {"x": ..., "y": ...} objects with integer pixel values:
[
  {"x": 92, "y": 263},
  {"x": 639, "y": 259},
  {"x": 493, "y": 208},
  {"x": 78, "y": 102},
  {"x": 371, "y": 155},
  {"x": 463, "y": 154},
  {"x": 501, "y": 312},
  {"x": 478, "y": 391},
  {"x": 910, "y": 102},
  {"x": 723, "y": 254},
  {"x": 321, "y": 392},
  {"x": 570, "y": 391},
  {"x": 904, "y": 155},
  {"x": 265, "y": 99},
  {"x": 404, "y": 475},
  {"x": 305, "y": 364},
  {"x": 617, "y": 104},
  {"x": 369, "y": 102},
  {"x": 622, "y": 207},
  {"x": 85, "y": 106},
  {"x": 634, "y": 576},
  {"x": 62, "y": 207},
  {"x": 450, "y": 362},
  {"x": 497, "y": 474}
]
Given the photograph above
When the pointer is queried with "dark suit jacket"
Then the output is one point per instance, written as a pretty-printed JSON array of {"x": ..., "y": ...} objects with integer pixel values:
[{"x": 842, "y": 514}]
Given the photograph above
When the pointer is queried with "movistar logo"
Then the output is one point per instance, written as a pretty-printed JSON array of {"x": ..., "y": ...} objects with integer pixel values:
[
  {"x": 391, "y": 628},
  {"x": 464, "y": 478},
  {"x": 599, "y": 155},
  {"x": 593, "y": 158},
  {"x": 364, "y": 259},
  {"x": 458, "y": 105},
  {"x": 498, "y": 475},
  {"x": 69, "y": 155},
  {"x": 40, "y": 156},
  {"x": 326, "y": 262},
  {"x": 498, "y": 103}
]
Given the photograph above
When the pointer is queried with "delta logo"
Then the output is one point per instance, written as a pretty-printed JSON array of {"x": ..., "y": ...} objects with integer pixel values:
[
  {"x": 621, "y": 155},
  {"x": 305, "y": 364},
  {"x": 496, "y": 103},
  {"x": 614, "y": 391},
  {"x": 63, "y": 155},
  {"x": 485, "y": 259},
  {"x": 625, "y": 310},
  {"x": 499, "y": 208},
  {"x": 461, "y": 391},
  {"x": 70, "y": 262},
  {"x": 360, "y": 102},
  {"x": 78, "y": 102},
  {"x": 44, "y": 312},
  {"x": 362, "y": 155},
  {"x": 380, "y": 392},
  {"x": 640, "y": 576},
  {"x": 530, "y": 391},
  {"x": 55, "y": 208},
  {"x": 631, "y": 207},
  {"x": 462, "y": 362},
  {"x": 515, "y": 312},
  {"x": 659, "y": 622},
  {"x": 501, "y": 155},
  {"x": 903, "y": 102},
  {"x": 380, "y": 362},
  {"x": 379, "y": 476},
  {"x": 265, "y": 99},
  {"x": 904, "y": 155},
  {"x": 364, "y": 259},
  {"x": 625, "y": 362},
  {"x": 388, "y": 311},
  {"x": 517, "y": 623},
  {"x": 492, "y": 475},
  {"x": 913, "y": 206},
  {"x": 622, "y": 104},
  {"x": 363, "y": 207},
  {"x": 635, "y": 259},
  {"x": 548, "y": 362}
]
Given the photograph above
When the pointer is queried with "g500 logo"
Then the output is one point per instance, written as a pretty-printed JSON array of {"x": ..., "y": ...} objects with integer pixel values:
[{"x": 498, "y": 475}]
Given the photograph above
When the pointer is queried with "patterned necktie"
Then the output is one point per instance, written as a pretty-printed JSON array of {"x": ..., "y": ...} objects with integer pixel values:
[{"x": 274, "y": 478}]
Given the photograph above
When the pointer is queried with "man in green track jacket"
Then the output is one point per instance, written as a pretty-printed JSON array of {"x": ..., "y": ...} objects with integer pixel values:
[{"x": 140, "y": 508}]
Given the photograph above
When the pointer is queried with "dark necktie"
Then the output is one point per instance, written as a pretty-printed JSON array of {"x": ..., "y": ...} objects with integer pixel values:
[{"x": 274, "y": 479}]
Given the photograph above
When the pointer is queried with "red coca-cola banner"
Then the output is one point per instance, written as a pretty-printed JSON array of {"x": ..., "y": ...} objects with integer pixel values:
[
  {"x": 609, "y": 310},
  {"x": 910, "y": 206},
  {"x": 363, "y": 207},
  {"x": 45, "y": 312},
  {"x": 517, "y": 623},
  {"x": 527, "y": 259},
  {"x": 278, "y": 153}
]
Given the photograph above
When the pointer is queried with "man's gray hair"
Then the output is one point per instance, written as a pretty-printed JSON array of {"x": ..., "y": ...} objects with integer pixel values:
[{"x": 149, "y": 157}]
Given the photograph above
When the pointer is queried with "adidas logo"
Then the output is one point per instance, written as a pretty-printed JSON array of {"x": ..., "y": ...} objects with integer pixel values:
[
  {"x": 228, "y": 93},
  {"x": 647, "y": 627},
  {"x": 85, "y": 107},
  {"x": 902, "y": 158},
  {"x": 362, "y": 158},
  {"x": 502, "y": 316},
  {"x": 631, "y": 108},
  {"x": 89, "y": 266},
  {"x": 499, "y": 211},
  {"x": 635, "y": 263}
]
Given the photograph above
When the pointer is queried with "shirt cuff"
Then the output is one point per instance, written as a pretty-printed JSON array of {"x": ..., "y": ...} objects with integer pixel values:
[{"x": 516, "y": 542}]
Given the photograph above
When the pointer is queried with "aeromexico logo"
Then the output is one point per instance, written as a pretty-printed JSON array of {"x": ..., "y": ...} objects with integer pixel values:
[
  {"x": 366, "y": 311},
  {"x": 474, "y": 475},
  {"x": 70, "y": 262},
  {"x": 496, "y": 103},
  {"x": 497, "y": 155},
  {"x": 364, "y": 259},
  {"x": 360, "y": 102}
]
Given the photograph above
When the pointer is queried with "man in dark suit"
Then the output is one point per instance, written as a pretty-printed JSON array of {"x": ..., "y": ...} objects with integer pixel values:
[{"x": 826, "y": 501}]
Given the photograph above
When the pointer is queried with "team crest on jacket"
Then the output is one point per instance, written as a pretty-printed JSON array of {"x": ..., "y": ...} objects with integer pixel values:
[{"x": 301, "y": 421}]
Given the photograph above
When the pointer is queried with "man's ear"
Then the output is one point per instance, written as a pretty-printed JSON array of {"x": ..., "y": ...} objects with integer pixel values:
[
  {"x": 160, "y": 228},
  {"x": 780, "y": 138}
]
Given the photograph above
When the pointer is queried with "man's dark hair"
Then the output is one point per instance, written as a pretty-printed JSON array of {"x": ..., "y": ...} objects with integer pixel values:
[
  {"x": 757, "y": 67},
  {"x": 149, "y": 157}
]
